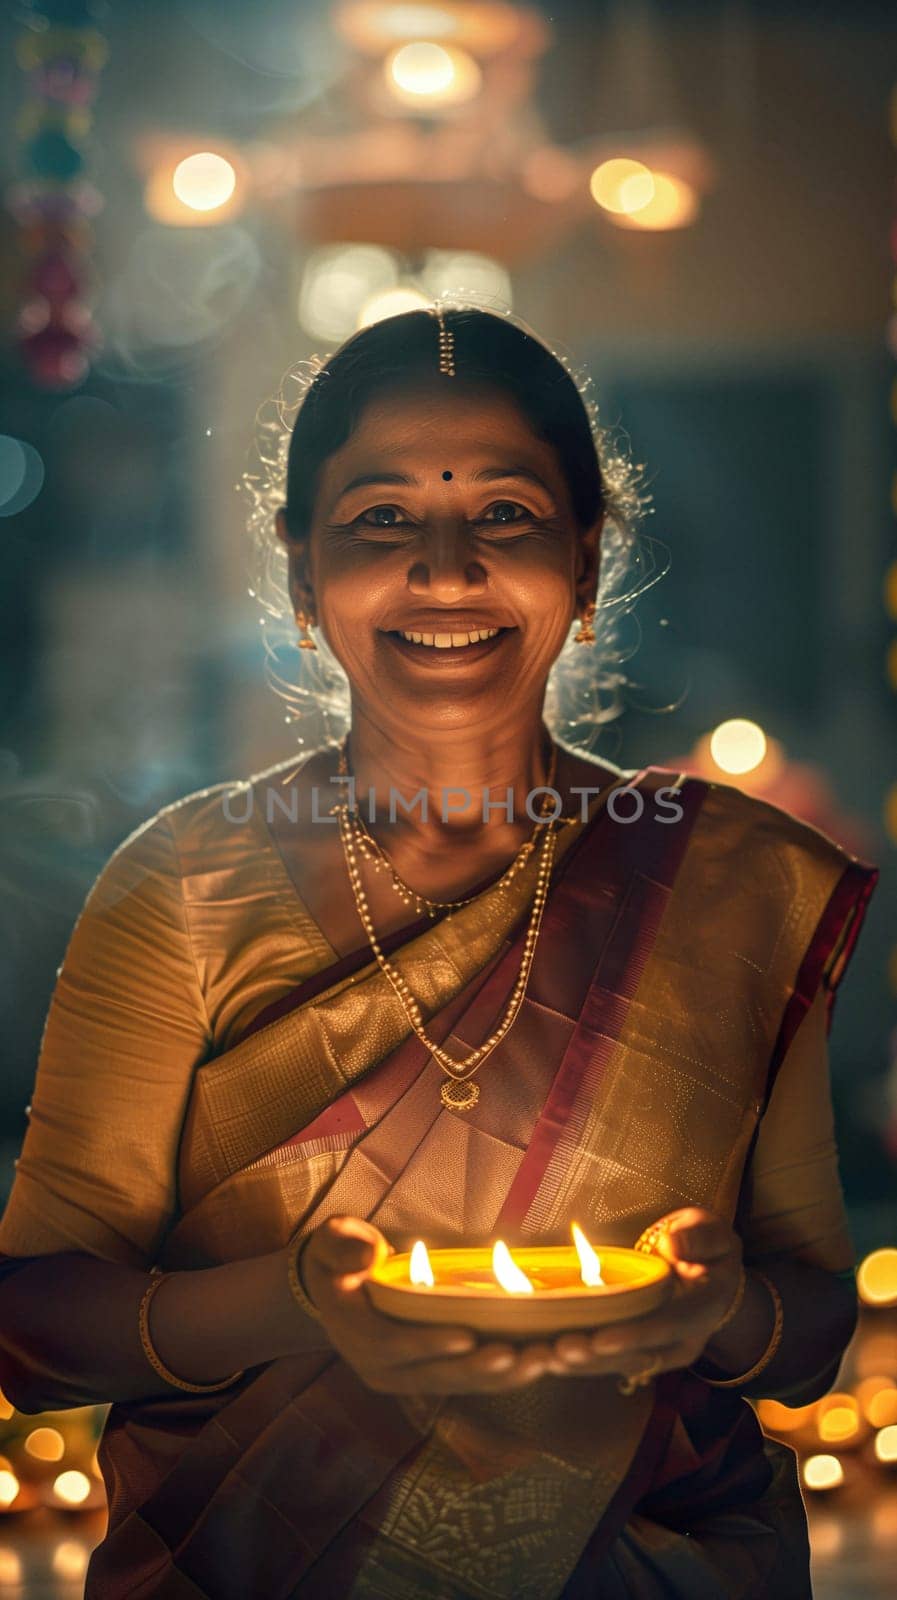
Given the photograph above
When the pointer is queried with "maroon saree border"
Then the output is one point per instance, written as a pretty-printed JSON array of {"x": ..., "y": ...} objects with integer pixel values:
[
  {"x": 850, "y": 895},
  {"x": 654, "y": 856}
]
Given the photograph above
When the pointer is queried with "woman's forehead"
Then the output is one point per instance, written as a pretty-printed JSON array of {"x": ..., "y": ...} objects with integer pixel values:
[{"x": 429, "y": 423}]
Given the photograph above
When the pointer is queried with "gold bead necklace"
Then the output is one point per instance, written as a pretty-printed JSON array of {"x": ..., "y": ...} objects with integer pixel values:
[
  {"x": 368, "y": 847},
  {"x": 458, "y": 1092}
]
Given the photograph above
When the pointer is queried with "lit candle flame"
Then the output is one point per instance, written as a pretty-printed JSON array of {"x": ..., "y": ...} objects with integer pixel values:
[
  {"x": 507, "y": 1271},
  {"x": 589, "y": 1263},
  {"x": 419, "y": 1269}
]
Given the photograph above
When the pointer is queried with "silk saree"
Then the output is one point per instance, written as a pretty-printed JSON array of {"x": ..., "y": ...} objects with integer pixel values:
[{"x": 677, "y": 964}]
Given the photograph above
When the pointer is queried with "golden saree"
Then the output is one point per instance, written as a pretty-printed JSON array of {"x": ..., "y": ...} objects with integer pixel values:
[{"x": 677, "y": 966}]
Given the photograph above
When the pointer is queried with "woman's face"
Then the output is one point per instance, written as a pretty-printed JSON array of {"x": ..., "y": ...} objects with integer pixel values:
[{"x": 444, "y": 514}]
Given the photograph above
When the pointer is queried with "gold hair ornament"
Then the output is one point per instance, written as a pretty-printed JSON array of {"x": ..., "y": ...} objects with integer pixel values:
[{"x": 446, "y": 346}]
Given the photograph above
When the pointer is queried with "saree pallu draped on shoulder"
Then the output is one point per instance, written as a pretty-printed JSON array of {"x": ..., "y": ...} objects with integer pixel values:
[{"x": 675, "y": 961}]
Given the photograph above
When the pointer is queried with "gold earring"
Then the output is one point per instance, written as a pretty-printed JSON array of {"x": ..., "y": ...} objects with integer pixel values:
[
  {"x": 586, "y": 634},
  {"x": 305, "y": 623}
]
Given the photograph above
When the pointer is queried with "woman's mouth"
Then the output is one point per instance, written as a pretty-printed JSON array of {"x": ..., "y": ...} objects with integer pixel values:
[{"x": 447, "y": 646}]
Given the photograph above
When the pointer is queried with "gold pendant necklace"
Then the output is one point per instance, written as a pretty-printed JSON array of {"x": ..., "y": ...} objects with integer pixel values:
[{"x": 458, "y": 1093}]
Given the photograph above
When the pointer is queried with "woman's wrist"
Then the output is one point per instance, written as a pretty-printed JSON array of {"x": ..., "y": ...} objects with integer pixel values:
[
  {"x": 742, "y": 1343},
  {"x": 153, "y": 1356},
  {"x": 296, "y": 1281},
  {"x": 217, "y": 1320}
]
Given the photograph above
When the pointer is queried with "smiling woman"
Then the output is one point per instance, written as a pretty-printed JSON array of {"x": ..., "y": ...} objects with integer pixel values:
[{"x": 260, "y": 1072}]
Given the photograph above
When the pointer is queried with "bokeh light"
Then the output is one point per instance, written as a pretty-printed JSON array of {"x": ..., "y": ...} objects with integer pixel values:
[
  {"x": 426, "y": 73},
  {"x": 11, "y": 1572},
  {"x": 784, "y": 1419},
  {"x": 877, "y": 1398},
  {"x": 9, "y": 1487},
  {"x": 70, "y": 1560},
  {"x": 673, "y": 204},
  {"x": 838, "y": 1418},
  {"x": 881, "y": 1410},
  {"x": 469, "y": 275},
  {"x": 72, "y": 1487},
  {"x": 45, "y": 1444},
  {"x": 21, "y": 475},
  {"x": 890, "y": 587},
  {"x": 822, "y": 1472},
  {"x": 738, "y": 745},
  {"x": 621, "y": 186},
  {"x": 877, "y": 1278},
  {"x": 391, "y": 303},
  {"x": 336, "y": 283},
  {"x": 204, "y": 181},
  {"x": 886, "y": 1446}
]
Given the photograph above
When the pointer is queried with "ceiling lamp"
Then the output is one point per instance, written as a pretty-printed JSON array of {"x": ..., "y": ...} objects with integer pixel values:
[
  {"x": 423, "y": 74},
  {"x": 375, "y": 26}
]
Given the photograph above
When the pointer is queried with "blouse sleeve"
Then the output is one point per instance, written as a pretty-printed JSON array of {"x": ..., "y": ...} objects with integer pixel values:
[
  {"x": 125, "y": 1030},
  {"x": 792, "y": 1203}
]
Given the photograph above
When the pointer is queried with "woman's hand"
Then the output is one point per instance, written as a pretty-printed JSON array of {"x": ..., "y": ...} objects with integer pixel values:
[
  {"x": 705, "y": 1254},
  {"x": 400, "y": 1357}
]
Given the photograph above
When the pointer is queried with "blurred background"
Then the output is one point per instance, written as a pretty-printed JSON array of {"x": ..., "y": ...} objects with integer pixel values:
[{"x": 697, "y": 205}]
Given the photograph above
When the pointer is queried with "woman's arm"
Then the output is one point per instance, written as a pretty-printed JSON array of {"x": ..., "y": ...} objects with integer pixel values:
[
  {"x": 819, "y": 1313},
  {"x": 794, "y": 1229},
  {"x": 95, "y": 1186},
  {"x": 69, "y": 1327}
]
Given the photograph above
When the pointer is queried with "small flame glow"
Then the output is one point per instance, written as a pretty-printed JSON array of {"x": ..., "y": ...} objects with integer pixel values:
[
  {"x": 419, "y": 1269},
  {"x": 589, "y": 1262},
  {"x": 507, "y": 1271}
]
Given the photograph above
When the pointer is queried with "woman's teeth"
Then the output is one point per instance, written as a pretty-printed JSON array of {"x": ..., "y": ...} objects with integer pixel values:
[{"x": 449, "y": 641}]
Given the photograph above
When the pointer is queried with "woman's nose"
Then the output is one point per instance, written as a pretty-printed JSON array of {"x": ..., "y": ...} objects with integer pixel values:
[{"x": 447, "y": 567}]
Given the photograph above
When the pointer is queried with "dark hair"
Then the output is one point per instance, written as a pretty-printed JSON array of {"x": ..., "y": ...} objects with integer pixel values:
[{"x": 488, "y": 349}]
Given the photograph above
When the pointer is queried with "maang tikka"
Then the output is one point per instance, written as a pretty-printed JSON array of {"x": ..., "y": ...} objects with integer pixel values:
[{"x": 446, "y": 346}]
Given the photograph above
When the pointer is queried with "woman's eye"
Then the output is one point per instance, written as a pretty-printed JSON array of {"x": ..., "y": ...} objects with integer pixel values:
[
  {"x": 381, "y": 517},
  {"x": 505, "y": 511}
]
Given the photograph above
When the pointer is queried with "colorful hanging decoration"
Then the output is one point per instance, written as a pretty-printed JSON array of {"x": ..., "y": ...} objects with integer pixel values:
[{"x": 62, "y": 54}]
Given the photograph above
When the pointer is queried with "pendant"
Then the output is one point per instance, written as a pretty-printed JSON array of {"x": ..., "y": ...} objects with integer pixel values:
[{"x": 459, "y": 1094}]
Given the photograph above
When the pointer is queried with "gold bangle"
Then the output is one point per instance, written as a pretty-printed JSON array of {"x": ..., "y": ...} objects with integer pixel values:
[
  {"x": 157, "y": 1277},
  {"x": 735, "y": 1307},
  {"x": 297, "y": 1287},
  {"x": 770, "y": 1351}
]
